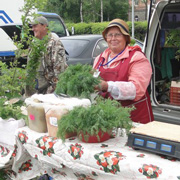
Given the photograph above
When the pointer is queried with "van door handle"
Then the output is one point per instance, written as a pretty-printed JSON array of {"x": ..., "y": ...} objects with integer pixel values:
[{"x": 166, "y": 110}]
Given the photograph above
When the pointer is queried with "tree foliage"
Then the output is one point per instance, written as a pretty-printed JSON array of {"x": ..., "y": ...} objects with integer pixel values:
[
  {"x": 13, "y": 78},
  {"x": 91, "y": 9}
]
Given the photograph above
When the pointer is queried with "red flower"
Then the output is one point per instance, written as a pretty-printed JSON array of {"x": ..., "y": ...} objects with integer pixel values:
[
  {"x": 73, "y": 148},
  {"x": 156, "y": 174},
  {"x": 146, "y": 167},
  {"x": 80, "y": 153},
  {"x": 51, "y": 145},
  {"x": 21, "y": 135},
  {"x": 159, "y": 171},
  {"x": 43, "y": 147},
  {"x": 140, "y": 170},
  {"x": 112, "y": 172},
  {"x": 104, "y": 164},
  {"x": 107, "y": 154},
  {"x": 115, "y": 160},
  {"x": 45, "y": 138}
]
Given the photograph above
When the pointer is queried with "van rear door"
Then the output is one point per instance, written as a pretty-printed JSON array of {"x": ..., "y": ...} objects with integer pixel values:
[{"x": 163, "y": 24}]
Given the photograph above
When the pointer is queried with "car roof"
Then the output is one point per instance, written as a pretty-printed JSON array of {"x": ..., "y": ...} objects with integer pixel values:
[{"x": 84, "y": 36}]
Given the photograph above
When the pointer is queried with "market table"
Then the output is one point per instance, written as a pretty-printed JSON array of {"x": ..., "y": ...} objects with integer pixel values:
[{"x": 37, "y": 153}]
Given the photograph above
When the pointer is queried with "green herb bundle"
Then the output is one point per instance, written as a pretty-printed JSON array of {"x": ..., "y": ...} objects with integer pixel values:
[
  {"x": 77, "y": 81},
  {"x": 105, "y": 115}
]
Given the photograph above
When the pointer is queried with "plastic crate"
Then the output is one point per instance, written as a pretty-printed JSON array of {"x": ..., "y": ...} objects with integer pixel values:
[{"x": 175, "y": 95}]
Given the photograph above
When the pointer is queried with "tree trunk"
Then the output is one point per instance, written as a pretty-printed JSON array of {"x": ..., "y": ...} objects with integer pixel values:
[
  {"x": 101, "y": 10},
  {"x": 93, "y": 10},
  {"x": 146, "y": 9},
  {"x": 81, "y": 14}
]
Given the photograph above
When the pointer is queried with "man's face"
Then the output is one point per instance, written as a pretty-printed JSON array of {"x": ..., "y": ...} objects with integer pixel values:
[{"x": 39, "y": 30}]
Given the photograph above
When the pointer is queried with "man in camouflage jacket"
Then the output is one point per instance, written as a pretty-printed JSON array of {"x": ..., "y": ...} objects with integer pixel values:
[{"x": 52, "y": 62}]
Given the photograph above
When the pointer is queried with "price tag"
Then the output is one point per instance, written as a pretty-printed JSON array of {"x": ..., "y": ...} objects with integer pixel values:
[
  {"x": 53, "y": 121},
  {"x": 96, "y": 73}
]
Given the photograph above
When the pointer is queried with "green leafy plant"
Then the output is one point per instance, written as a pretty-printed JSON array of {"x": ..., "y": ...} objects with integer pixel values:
[
  {"x": 12, "y": 80},
  {"x": 173, "y": 40},
  {"x": 105, "y": 115},
  {"x": 38, "y": 47},
  {"x": 77, "y": 81},
  {"x": 11, "y": 110}
]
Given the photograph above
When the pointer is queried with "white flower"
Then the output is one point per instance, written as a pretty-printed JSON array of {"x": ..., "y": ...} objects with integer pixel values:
[
  {"x": 102, "y": 158},
  {"x": 47, "y": 145},
  {"x": 75, "y": 152},
  {"x": 41, "y": 142},
  {"x": 150, "y": 171},
  {"x": 110, "y": 163},
  {"x": 22, "y": 138},
  {"x": 49, "y": 140}
]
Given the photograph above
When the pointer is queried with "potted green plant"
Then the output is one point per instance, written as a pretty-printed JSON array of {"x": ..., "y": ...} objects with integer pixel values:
[{"x": 97, "y": 120}]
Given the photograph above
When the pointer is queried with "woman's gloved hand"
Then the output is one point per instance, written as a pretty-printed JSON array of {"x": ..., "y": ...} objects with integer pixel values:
[{"x": 102, "y": 86}]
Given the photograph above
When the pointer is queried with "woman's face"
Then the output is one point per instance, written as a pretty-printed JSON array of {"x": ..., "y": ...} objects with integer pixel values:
[{"x": 115, "y": 39}]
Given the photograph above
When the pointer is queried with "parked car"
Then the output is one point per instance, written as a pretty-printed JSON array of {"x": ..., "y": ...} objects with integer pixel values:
[
  {"x": 164, "y": 25},
  {"x": 83, "y": 48}
]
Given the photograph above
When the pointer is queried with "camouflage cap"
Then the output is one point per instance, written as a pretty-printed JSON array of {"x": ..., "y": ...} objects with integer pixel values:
[{"x": 39, "y": 20}]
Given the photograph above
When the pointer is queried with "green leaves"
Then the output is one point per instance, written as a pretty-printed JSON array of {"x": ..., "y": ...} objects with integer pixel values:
[
  {"x": 77, "y": 81},
  {"x": 8, "y": 110},
  {"x": 12, "y": 80},
  {"x": 104, "y": 116},
  {"x": 38, "y": 48},
  {"x": 173, "y": 40}
]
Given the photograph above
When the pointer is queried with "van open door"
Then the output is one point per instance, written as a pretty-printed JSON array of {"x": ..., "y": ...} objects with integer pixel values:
[{"x": 162, "y": 51}]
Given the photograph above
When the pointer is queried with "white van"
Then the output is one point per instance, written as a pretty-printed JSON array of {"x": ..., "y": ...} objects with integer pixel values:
[{"x": 165, "y": 84}]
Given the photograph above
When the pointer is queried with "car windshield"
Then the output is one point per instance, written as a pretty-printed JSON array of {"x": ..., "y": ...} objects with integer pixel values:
[
  {"x": 55, "y": 25},
  {"x": 74, "y": 47}
]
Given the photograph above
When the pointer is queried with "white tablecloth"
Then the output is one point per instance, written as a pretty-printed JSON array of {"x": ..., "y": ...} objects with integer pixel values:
[{"x": 36, "y": 153}]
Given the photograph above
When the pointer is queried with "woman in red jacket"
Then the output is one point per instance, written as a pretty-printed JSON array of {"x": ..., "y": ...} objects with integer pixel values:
[{"x": 125, "y": 71}]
